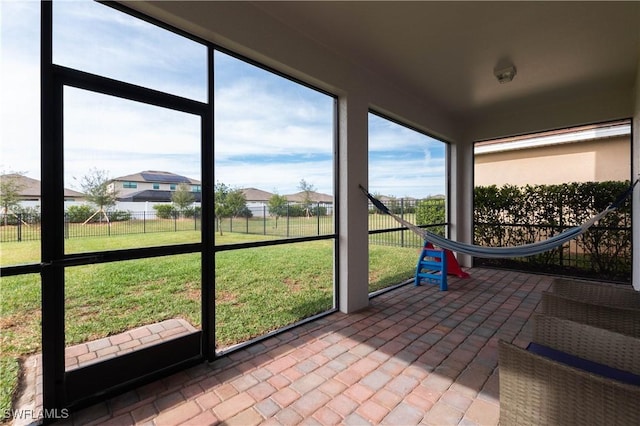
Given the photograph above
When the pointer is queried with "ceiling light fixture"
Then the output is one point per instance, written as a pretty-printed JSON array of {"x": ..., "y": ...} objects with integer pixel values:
[{"x": 506, "y": 74}]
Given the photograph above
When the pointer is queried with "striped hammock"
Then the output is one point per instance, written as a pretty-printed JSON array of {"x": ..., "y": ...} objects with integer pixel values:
[{"x": 501, "y": 252}]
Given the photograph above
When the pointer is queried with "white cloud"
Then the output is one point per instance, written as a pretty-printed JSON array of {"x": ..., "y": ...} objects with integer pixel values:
[
  {"x": 122, "y": 47},
  {"x": 283, "y": 178},
  {"x": 19, "y": 88},
  {"x": 408, "y": 177},
  {"x": 254, "y": 118}
]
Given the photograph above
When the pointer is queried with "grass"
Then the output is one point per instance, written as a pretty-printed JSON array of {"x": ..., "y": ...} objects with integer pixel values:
[
  {"x": 390, "y": 265},
  {"x": 257, "y": 290},
  {"x": 282, "y": 227},
  {"x": 9, "y": 372}
]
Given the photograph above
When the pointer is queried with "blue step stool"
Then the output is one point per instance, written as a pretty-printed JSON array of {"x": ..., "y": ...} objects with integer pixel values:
[{"x": 432, "y": 267}]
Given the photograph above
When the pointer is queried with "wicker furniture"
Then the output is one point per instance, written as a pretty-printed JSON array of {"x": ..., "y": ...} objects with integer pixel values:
[
  {"x": 535, "y": 390},
  {"x": 592, "y": 343},
  {"x": 623, "y": 296},
  {"x": 608, "y": 306}
]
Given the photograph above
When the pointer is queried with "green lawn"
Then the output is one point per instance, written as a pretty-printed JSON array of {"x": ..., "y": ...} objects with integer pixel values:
[{"x": 257, "y": 290}]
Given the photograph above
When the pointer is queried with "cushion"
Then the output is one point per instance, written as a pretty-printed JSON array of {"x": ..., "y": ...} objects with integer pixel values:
[{"x": 584, "y": 364}]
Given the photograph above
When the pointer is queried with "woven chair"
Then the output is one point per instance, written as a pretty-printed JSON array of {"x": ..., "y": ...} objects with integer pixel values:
[
  {"x": 535, "y": 390},
  {"x": 617, "y": 295},
  {"x": 595, "y": 344},
  {"x": 622, "y": 318}
]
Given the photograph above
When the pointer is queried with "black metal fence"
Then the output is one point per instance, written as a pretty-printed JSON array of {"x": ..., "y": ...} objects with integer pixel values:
[
  {"x": 26, "y": 227},
  {"x": 603, "y": 252},
  {"x": 385, "y": 230},
  {"x": 294, "y": 221}
]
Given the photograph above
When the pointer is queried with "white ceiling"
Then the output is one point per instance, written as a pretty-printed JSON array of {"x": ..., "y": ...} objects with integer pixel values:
[{"x": 447, "y": 51}]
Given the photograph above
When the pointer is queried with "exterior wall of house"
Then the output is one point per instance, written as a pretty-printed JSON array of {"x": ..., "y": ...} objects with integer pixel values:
[
  {"x": 596, "y": 160},
  {"x": 124, "y": 190}
]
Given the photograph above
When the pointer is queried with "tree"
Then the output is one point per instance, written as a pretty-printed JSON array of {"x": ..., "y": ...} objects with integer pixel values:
[
  {"x": 277, "y": 205},
  {"x": 97, "y": 190},
  {"x": 228, "y": 203},
  {"x": 307, "y": 193},
  {"x": 182, "y": 197},
  {"x": 238, "y": 204},
  {"x": 10, "y": 188}
]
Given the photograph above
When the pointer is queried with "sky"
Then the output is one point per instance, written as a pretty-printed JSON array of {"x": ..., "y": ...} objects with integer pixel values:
[{"x": 270, "y": 132}]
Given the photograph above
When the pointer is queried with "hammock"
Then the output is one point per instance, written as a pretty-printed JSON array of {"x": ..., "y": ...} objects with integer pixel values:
[{"x": 502, "y": 252}]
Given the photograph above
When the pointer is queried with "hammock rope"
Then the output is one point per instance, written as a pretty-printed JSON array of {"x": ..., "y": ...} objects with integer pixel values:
[{"x": 502, "y": 252}]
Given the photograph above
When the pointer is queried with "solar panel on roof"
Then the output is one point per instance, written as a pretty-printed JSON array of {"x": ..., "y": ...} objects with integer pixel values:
[{"x": 155, "y": 177}]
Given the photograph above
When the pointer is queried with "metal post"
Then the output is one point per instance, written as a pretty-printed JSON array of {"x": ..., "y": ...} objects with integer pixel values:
[
  {"x": 19, "y": 226},
  {"x": 402, "y": 216},
  {"x": 561, "y": 223}
]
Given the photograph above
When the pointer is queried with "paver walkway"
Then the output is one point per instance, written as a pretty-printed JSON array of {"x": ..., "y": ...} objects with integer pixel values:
[
  {"x": 414, "y": 356},
  {"x": 91, "y": 352}
]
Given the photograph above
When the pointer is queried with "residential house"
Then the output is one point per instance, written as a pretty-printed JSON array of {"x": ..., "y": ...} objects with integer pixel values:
[
  {"x": 317, "y": 198},
  {"x": 258, "y": 200},
  {"x": 30, "y": 191},
  {"x": 153, "y": 186}
]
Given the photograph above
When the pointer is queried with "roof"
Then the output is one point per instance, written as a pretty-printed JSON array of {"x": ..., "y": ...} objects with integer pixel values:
[
  {"x": 316, "y": 197},
  {"x": 556, "y": 137},
  {"x": 155, "y": 195},
  {"x": 30, "y": 188},
  {"x": 157, "y": 176},
  {"x": 253, "y": 194}
]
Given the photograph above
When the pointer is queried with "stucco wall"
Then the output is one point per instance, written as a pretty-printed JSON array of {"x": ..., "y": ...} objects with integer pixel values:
[{"x": 597, "y": 160}]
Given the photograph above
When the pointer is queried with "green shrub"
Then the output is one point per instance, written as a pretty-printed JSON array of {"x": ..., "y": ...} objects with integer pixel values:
[
  {"x": 512, "y": 216},
  {"x": 192, "y": 212},
  {"x": 244, "y": 212},
  {"x": 319, "y": 211},
  {"x": 79, "y": 214},
  {"x": 119, "y": 216},
  {"x": 164, "y": 211},
  {"x": 431, "y": 212},
  {"x": 295, "y": 210},
  {"x": 28, "y": 215}
]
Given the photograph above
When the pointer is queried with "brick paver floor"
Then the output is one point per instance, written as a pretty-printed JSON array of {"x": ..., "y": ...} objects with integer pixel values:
[
  {"x": 414, "y": 356},
  {"x": 91, "y": 352}
]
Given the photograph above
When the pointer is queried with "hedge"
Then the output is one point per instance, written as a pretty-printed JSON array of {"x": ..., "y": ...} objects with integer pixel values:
[{"x": 510, "y": 215}]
